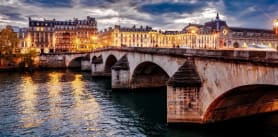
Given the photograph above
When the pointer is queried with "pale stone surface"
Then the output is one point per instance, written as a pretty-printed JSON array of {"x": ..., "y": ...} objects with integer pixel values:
[
  {"x": 54, "y": 61},
  {"x": 85, "y": 65},
  {"x": 58, "y": 60},
  {"x": 168, "y": 64},
  {"x": 219, "y": 77},
  {"x": 183, "y": 105},
  {"x": 120, "y": 79}
]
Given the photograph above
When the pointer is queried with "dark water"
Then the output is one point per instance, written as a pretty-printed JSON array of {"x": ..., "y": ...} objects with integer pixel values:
[{"x": 66, "y": 103}]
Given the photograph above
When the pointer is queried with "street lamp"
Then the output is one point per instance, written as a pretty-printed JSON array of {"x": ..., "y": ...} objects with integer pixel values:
[{"x": 275, "y": 24}]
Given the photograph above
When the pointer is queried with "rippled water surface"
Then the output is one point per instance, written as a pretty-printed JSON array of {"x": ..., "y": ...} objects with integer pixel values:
[{"x": 66, "y": 103}]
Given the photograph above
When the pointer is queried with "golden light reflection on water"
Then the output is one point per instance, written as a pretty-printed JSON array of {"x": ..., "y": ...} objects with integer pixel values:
[
  {"x": 29, "y": 99},
  {"x": 67, "y": 97},
  {"x": 86, "y": 107},
  {"x": 54, "y": 89}
]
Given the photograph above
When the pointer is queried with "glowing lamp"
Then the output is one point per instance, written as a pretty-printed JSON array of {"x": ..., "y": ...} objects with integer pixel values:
[{"x": 275, "y": 24}]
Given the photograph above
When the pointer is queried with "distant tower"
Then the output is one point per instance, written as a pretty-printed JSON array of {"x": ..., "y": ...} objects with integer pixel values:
[
  {"x": 217, "y": 16},
  {"x": 217, "y": 22}
]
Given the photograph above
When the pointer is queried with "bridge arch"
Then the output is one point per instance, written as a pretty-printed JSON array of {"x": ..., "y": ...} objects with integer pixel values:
[
  {"x": 75, "y": 62},
  {"x": 148, "y": 74},
  {"x": 110, "y": 61},
  {"x": 93, "y": 58},
  {"x": 243, "y": 101}
]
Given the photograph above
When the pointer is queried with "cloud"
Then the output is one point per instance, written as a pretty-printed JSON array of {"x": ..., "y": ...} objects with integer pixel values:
[
  {"x": 160, "y": 14},
  {"x": 171, "y": 7},
  {"x": 49, "y": 3},
  {"x": 11, "y": 13}
]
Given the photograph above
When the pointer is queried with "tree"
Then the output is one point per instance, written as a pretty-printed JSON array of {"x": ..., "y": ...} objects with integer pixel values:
[
  {"x": 27, "y": 60},
  {"x": 8, "y": 43}
]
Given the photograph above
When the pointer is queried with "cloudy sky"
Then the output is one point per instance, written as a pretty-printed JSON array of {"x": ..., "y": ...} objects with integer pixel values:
[{"x": 160, "y": 14}]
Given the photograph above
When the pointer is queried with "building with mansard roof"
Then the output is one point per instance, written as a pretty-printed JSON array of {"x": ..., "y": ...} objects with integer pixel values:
[
  {"x": 148, "y": 37},
  {"x": 215, "y": 34},
  {"x": 62, "y": 36},
  {"x": 235, "y": 37}
]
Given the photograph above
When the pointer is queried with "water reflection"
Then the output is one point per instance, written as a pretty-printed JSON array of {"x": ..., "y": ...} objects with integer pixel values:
[
  {"x": 54, "y": 88},
  {"x": 85, "y": 108},
  {"x": 65, "y": 103},
  {"x": 29, "y": 114}
]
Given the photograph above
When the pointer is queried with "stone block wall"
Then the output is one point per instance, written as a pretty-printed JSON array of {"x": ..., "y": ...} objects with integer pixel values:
[
  {"x": 52, "y": 62},
  {"x": 183, "y": 105},
  {"x": 85, "y": 65},
  {"x": 120, "y": 79}
]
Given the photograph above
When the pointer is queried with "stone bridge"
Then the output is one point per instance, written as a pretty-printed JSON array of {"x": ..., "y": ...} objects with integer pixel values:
[
  {"x": 65, "y": 60},
  {"x": 203, "y": 86}
]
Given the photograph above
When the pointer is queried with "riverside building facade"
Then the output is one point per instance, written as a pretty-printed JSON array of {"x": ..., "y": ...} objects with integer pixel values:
[
  {"x": 215, "y": 34},
  {"x": 61, "y": 36}
]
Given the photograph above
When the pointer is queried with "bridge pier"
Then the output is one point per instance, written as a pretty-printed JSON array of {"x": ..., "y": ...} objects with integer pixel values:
[
  {"x": 85, "y": 64},
  {"x": 183, "y": 103},
  {"x": 97, "y": 67},
  {"x": 120, "y": 74}
]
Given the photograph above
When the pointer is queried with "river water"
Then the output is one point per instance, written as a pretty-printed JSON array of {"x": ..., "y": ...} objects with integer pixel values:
[{"x": 70, "y": 103}]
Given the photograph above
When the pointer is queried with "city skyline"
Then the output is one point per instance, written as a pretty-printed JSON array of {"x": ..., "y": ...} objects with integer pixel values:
[{"x": 160, "y": 14}]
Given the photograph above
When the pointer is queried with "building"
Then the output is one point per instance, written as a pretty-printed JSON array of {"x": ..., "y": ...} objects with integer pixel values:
[
  {"x": 131, "y": 37},
  {"x": 62, "y": 36},
  {"x": 236, "y": 37},
  {"x": 215, "y": 34},
  {"x": 148, "y": 37}
]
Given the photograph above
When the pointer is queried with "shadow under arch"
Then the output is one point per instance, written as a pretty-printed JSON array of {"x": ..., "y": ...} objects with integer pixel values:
[
  {"x": 93, "y": 58},
  {"x": 243, "y": 101},
  {"x": 75, "y": 63},
  {"x": 110, "y": 61},
  {"x": 149, "y": 75}
]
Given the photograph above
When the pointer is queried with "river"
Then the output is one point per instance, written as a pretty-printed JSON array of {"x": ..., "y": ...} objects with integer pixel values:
[{"x": 71, "y": 103}]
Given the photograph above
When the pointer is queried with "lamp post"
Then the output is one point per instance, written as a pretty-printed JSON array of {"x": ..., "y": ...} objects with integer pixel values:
[{"x": 275, "y": 24}]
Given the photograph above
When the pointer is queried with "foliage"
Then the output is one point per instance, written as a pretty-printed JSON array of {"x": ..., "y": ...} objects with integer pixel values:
[
  {"x": 8, "y": 43},
  {"x": 28, "y": 60}
]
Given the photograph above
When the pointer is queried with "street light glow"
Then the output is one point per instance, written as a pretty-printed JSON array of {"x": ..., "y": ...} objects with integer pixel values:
[{"x": 275, "y": 23}]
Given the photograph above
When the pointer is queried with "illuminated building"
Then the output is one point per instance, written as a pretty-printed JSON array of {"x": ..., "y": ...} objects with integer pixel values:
[
  {"x": 148, "y": 37},
  {"x": 236, "y": 37},
  {"x": 62, "y": 36},
  {"x": 214, "y": 34},
  {"x": 131, "y": 37}
]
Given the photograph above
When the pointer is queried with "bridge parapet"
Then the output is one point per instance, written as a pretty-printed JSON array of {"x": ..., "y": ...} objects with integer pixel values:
[{"x": 266, "y": 57}]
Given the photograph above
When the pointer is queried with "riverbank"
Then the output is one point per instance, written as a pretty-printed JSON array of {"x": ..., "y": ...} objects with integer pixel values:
[
  {"x": 7, "y": 69},
  {"x": 18, "y": 69}
]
